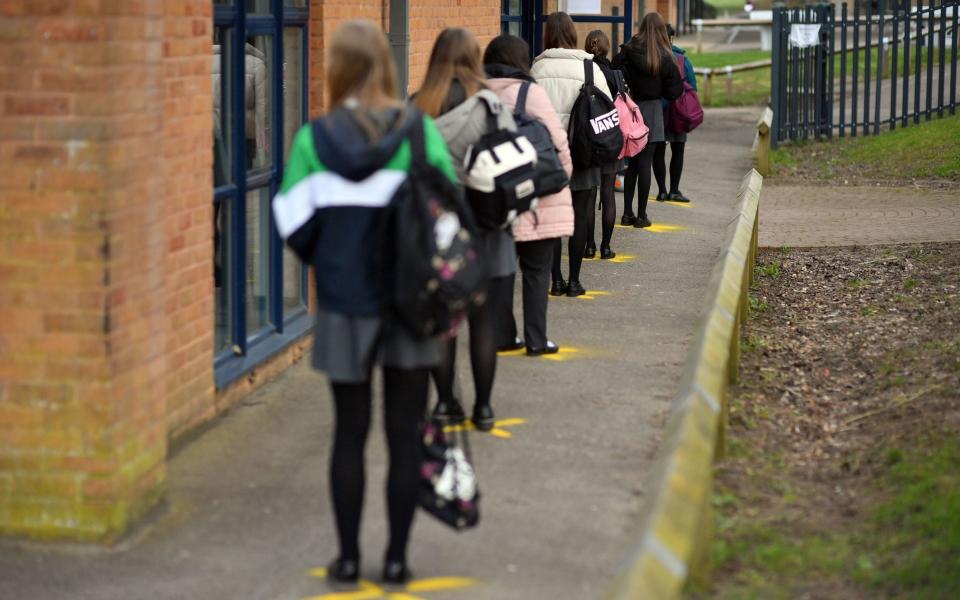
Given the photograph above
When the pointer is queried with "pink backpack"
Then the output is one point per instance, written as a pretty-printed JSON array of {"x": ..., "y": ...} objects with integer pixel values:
[
  {"x": 634, "y": 130},
  {"x": 685, "y": 113}
]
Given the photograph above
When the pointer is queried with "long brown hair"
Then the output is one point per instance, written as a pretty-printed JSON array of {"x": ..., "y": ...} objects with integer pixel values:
[
  {"x": 560, "y": 32},
  {"x": 652, "y": 36},
  {"x": 597, "y": 43},
  {"x": 455, "y": 55},
  {"x": 361, "y": 66}
]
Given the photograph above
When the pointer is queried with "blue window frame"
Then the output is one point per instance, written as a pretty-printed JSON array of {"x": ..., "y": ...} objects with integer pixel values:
[
  {"x": 260, "y": 75},
  {"x": 526, "y": 18}
]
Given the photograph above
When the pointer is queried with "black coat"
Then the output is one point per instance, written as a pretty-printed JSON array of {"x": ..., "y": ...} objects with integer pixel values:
[
  {"x": 604, "y": 63},
  {"x": 645, "y": 85}
]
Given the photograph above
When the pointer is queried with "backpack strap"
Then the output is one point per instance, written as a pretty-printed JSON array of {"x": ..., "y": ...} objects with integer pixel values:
[
  {"x": 680, "y": 61},
  {"x": 587, "y": 71},
  {"x": 418, "y": 143},
  {"x": 521, "y": 106}
]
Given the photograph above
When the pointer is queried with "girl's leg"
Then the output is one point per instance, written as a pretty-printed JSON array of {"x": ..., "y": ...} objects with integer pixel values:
[
  {"x": 352, "y": 413},
  {"x": 608, "y": 204},
  {"x": 629, "y": 186},
  {"x": 591, "y": 220},
  {"x": 535, "y": 264},
  {"x": 660, "y": 169},
  {"x": 448, "y": 406},
  {"x": 578, "y": 241},
  {"x": 676, "y": 166},
  {"x": 483, "y": 346},
  {"x": 556, "y": 273},
  {"x": 405, "y": 400},
  {"x": 644, "y": 160}
]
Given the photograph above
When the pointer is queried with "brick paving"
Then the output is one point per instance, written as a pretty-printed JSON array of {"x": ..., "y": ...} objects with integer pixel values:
[{"x": 799, "y": 216}]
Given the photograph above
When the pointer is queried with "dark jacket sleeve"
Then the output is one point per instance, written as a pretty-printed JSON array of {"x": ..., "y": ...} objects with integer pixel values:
[{"x": 670, "y": 80}]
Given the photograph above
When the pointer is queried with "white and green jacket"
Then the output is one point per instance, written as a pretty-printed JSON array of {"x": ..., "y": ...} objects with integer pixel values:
[{"x": 336, "y": 183}]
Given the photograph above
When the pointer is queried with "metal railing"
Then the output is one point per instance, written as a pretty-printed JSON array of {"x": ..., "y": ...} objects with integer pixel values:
[{"x": 879, "y": 65}]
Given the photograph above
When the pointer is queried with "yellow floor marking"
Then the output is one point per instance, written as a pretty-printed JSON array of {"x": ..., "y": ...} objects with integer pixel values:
[
  {"x": 370, "y": 591},
  {"x": 565, "y": 353},
  {"x": 497, "y": 431},
  {"x": 593, "y": 295},
  {"x": 665, "y": 228},
  {"x": 517, "y": 352},
  {"x": 622, "y": 258},
  {"x": 440, "y": 584}
]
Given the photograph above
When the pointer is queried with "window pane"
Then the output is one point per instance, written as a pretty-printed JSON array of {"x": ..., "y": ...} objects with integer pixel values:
[
  {"x": 292, "y": 84},
  {"x": 222, "y": 135},
  {"x": 297, "y": 3},
  {"x": 258, "y": 258},
  {"x": 258, "y": 7},
  {"x": 258, "y": 68},
  {"x": 222, "y": 280},
  {"x": 292, "y": 282}
]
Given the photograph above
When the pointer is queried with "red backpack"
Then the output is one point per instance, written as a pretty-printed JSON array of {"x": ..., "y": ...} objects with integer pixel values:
[
  {"x": 635, "y": 131},
  {"x": 685, "y": 113}
]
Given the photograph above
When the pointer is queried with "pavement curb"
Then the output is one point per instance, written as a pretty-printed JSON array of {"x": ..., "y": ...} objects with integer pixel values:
[{"x": 677, "y": 517}]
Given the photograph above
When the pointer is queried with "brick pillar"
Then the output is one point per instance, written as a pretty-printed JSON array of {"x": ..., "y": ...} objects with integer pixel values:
[{"x": 83, "y": 246}]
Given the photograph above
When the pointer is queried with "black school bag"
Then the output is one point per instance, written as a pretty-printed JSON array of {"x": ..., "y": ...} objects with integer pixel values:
[
  {"x": 551, "y": 177},
  {"x": 501, "y": 175},
  {"x": 594, "y": 129},
  {"x": 434, "y": 268}
]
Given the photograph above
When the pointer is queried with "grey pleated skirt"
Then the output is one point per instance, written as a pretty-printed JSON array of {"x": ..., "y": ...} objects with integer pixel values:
[
  {"x": 584, "y": 179},
  {"x": 346, "y": 347},
  {"x": 674, "y": 137},
  {"x": 499, "y": 251},
  {"x": 652, "y": 111}
]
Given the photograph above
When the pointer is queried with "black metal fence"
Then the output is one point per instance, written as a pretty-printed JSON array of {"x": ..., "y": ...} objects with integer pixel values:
[{"x": 877, "y": 64}]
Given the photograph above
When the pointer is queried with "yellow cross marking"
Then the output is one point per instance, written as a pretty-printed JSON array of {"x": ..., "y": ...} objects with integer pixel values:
[
  {"x": 665, "y": 228},
  {"x": 619, "y": 258},
  {"x": 592, "y": 295},
  {"x": 565, "y": 353},
  {"x": 672, "y": 202},
  {"x": 367, "y": 590},
  {"x": 497, "y": 431}
]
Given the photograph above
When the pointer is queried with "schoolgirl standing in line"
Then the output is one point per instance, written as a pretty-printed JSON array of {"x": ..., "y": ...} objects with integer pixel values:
[
  {"x": 455, "y": 93},
  {"x": 676, "y": 140},
  {"x": 343, "y": 171},
  {"x": 560, "y": 70},
  {"x": 598, "y": 44},
  {"x": 652, "y": 73},
  {"x": 507, "y": 63}
]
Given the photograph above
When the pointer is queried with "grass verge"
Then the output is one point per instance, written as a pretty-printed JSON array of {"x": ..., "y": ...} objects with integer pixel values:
[{"x": 926, "y": 151}]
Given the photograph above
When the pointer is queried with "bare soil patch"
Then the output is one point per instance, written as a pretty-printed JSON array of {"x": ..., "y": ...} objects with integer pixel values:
[{"x": 848, "y": 399}]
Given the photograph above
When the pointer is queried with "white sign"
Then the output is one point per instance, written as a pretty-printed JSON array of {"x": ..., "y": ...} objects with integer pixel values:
[
  {"x": 804, "y": 36},
  {"x": 584, "y": 7}
]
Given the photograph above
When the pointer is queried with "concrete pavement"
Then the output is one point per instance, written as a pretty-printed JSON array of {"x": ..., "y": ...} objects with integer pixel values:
[{"x": 248, "y": 512}]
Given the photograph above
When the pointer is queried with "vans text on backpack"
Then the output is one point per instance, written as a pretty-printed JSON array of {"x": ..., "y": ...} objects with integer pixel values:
[{"x": 594, "y": 130}]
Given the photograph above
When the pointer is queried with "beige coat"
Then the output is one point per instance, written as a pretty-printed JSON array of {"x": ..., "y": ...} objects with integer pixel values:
[
  {"x": 560, "y": 72},
  {"x": 553, "y": 216}
]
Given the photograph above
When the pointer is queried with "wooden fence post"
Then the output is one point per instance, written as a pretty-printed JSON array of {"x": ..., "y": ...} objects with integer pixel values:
[{"x": 764, "y": 126}]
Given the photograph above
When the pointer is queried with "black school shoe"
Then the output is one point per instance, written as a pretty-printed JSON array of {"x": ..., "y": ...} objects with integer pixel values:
[
  {"x": 483, "y": 418},
  {"x": 606, "y": 253},
  {"x": 344, "y": 570},
  {"x": 448, "y": 412},
  {"x": 516, "y": 344},
  {"x": 559, "y": 288},
  {"x": 628, "y": 220},
  {"x": 574, "y": 289},
  {"x": 661, "y": 196},
  {"x": 590, "y": 252},
  {"x": 395, "y": 573},
  {"x": 550, "y": 348},
  {"x": 642, "y": 222},
  {"x": 677, "y": 197}
]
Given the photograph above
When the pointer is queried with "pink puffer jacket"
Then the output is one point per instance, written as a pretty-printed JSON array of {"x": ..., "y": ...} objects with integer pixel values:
[{"x": 554, "y": 215}]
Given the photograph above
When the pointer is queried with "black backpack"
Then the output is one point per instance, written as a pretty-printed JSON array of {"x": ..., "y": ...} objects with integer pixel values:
[
  {"x": 551, "y": 177},
  {"x": 434, "y": 268},
  {"x": 501, "y": 175},
  {"x": 594, "y": 129}
]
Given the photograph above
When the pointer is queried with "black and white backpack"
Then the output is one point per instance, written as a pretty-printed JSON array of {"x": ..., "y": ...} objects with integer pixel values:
[
  {"x": 551, "y": 176},
  {"x": 501, "y": 175},
  {"x": 594, "y": 129}
]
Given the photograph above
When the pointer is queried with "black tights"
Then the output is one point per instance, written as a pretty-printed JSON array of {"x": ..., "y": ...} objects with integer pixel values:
[
  {"x": 577, "y": 243},
  {"x": 638, "y": 177},
  {"x": 483, "y": 347},
  {"x": 405, "y": 400},
  {"x": 608, "y": 204},
  {"x": 676, "y": 166}
]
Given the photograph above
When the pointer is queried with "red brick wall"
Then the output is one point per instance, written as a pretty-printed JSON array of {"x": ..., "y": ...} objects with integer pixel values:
[
  {"x": 82, "y": 247},
  {"x": 188, "y": 226}
]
